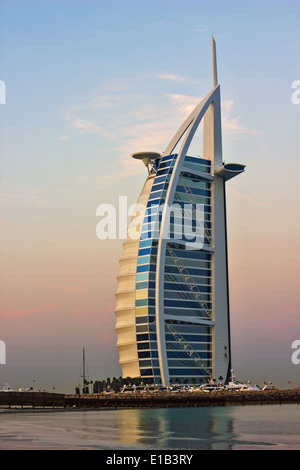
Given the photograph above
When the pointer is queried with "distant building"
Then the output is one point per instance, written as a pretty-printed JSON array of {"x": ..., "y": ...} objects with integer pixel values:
[{"x": 172, "y": 309}]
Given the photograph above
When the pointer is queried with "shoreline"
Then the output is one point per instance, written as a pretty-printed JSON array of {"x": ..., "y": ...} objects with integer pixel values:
[{"x": 56, "y": 401}]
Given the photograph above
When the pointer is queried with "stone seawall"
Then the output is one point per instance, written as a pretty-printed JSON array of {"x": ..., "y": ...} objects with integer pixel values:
[
  {"x": 35, "y": 400},
  {"x": 168, "y": 400},
  {"x": 31, "y": 400}
]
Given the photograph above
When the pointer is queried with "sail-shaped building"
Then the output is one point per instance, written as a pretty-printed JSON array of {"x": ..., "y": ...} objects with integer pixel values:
[{"x": 172, "y": 301}]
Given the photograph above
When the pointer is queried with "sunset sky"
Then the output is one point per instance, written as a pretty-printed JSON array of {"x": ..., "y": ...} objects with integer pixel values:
[{"x": 89, "y": 82}]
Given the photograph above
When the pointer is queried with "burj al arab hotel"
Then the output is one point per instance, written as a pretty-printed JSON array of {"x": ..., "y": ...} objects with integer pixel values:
[{"x": 172, "y": 300}]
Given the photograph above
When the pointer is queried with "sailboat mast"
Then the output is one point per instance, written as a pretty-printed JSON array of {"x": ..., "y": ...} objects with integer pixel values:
[{"x": 83, "y": 372}]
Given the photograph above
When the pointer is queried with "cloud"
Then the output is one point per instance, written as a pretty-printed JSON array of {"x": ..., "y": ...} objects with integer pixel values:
[
  {"x": 27, "y": 311},
  {"x": 183, "y": 104},
  {"x": 103, "y": 101},
  {"x": 134, "y": 122},
  {"x": 74, "y": 288},
  {"x": 284, "y": 329},
  {"x": 85, "y": 126},
  {"x": 84, "y": 118},
  {"x": 291, "y": 308},
  {"x": 177, "y": 78},
  {"x": 71, "y": 288},
  {"x": 23, "y": 195},
  {"x": 240, "y": 195},
  {"x": 285, "y": 323},
  {"x": 204, "y": 29},
  {"x": 232, "y": 124}
]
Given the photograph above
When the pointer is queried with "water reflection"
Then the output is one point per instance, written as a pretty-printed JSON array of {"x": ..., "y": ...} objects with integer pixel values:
[
  {"x": 177, "y": 428},
  {"x": 215, "y": 428}
]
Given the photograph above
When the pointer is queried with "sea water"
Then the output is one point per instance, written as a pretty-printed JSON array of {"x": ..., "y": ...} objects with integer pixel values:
[{"x": 225, "y": 428}]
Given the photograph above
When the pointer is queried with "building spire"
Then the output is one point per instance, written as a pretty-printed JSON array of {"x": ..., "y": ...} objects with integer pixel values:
[{"x": 214, "y": 62}]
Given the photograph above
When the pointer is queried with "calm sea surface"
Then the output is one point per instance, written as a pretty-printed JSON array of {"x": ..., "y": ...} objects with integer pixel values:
[{"x": 237, "y": 427}]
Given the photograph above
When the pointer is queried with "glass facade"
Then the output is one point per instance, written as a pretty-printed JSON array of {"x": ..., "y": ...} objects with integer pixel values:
[
  {"x": 187, "y": 276},
  {"x": 172, "y": 300}
]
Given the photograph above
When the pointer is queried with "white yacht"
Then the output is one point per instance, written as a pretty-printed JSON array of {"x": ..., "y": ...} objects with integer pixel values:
[
  {"x": 235, "y": 385},
  {"x": 211, "y": 387},
  {"x": 6, "y": 388}
]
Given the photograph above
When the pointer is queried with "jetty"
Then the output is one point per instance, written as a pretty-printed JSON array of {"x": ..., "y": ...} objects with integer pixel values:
[{"x": 48, "y": 400}]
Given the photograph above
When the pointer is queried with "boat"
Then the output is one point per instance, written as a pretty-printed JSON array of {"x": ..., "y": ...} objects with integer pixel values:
[
  {"x": 211, "y": 387},
  {"x": 242, "y": 387},
  {"x": 85, "y": 383},
  {"x": 195, "y": 389},
  {"x": 6, "y": 388},
  {"x": 108, "y": 391},
  {"x": 128, "y": 389},
  {"x": 235, "y": 385},
  {"x": 269, "y": 386},
  {"x": 155, "y": 389},
  {"x": 175, "y": 389},
  {"x": 139, "y": 388},
  {"x": 249, "y": 387}
]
